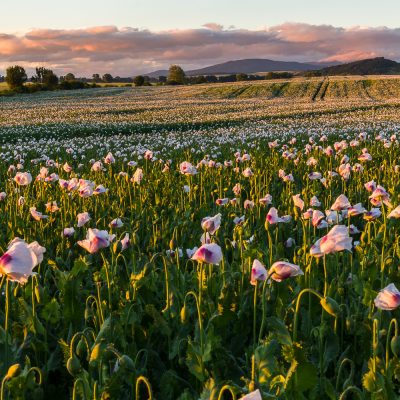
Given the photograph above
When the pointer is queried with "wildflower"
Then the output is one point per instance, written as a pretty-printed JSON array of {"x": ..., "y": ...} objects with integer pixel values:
[
  {"x": 388, "y": 298},
  {"x": 68, "y": 232},
  {"x": 95, "y": 240},
  {"x": 209, "y": 253},
  {"x": 211, "y": 224},
  {"x": 23, "y": 178},
  {"x": 83, "y": 218},
  {"x": 36, "y": 214},
  {"x": 18, "y": 262},
  {"x": 258, "y": 272},
  {"x": 282, "y": 270},
  {"x": 298, "y": 202}
]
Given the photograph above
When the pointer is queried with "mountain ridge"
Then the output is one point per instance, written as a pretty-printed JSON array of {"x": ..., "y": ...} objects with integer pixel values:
[
  {"x": 369, "y": 66},
  {"x": 247, "y": 66}
]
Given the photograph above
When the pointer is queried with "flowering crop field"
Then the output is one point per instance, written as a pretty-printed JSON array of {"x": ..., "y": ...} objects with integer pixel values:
[{"x": 208, "y": 242}]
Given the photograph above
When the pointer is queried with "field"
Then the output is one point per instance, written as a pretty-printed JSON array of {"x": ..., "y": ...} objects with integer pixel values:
[{"x": 202, "y": 242}]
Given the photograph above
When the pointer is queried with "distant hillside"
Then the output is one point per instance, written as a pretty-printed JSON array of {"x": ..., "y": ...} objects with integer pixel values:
[
  {"x": 371, "y": 66},
  {"x": 246, "y": 66}
]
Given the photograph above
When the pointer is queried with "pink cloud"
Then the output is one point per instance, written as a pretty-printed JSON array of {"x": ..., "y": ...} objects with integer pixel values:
[{"x": 128, "y": 51}]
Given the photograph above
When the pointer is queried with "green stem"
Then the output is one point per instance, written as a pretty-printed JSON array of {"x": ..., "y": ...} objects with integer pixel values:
[
  {"x": 145, "y": 381},
  {"x": 299, "y": 296},
  {"x": 6, "y": 322},
  {"x": 224, "y": 389},
  {"x": 396, "y": 331}
]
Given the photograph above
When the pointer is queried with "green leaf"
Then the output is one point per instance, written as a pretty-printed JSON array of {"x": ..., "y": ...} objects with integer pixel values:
[
  {"x": 51, "y": 312},
  {"x": 280, "y": 331},
  {"x": 193, "y": 360},
  {"x": 306, "y": 376}
]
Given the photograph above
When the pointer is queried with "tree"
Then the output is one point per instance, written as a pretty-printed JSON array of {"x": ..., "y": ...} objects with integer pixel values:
[
  {"x": 241, "y": 77},
  {"x": 69, "y": 77},
  {"x": 200, "y": 79},
  {"x": 16, "y": 77},
  {"x": 49, "y": 79},
  {"x": 96, "y": 78},
  {"x": 107, "y": 78},
  {"x": 138, "y": 80},
  {"x": 176, "y": 75}
]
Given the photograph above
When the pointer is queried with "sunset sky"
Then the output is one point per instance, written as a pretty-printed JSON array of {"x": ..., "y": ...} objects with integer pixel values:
[{"x": 127, "y": 37}]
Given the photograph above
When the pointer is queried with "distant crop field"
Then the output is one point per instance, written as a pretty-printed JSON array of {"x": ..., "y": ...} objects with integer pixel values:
[{"x": 114, "y": 84}]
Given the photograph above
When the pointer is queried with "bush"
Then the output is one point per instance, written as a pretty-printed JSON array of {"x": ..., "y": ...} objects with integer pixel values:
[
  {"x": 71, "y": 85},
  {"x": 139, "y": 80}
]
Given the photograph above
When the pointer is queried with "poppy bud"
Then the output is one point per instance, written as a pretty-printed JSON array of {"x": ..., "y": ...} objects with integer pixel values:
[
  {"x": 395, "y": 345},
  {"x": 81, "y": 348},
  {"x": 88, "y": 312},
  {"x": 96, "y": 354},
  {"x": 13, "y": 371},
  {"x": 39, "y": 293},
  {"x": 126, "y": 363},
  {"x": 184, "y": 314},
  {"x": 330, "y": 306}
]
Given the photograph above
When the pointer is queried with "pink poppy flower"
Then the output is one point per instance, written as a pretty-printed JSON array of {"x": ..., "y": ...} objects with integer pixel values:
[{"x": 209, "y": 253}]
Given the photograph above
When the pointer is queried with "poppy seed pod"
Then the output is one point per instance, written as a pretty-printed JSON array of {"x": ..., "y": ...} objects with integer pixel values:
[{"x": 74, "y": 366}]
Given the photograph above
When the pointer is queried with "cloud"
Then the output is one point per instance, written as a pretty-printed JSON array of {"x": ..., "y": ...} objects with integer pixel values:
[{"x": 128, "y": 51}]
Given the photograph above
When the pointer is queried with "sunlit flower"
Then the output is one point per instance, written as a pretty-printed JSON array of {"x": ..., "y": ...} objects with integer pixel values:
[
  {"x": 248, "y": 173},
  {"x": 109, "y": 159},
  {"x": 282, "y": 270},
  {"x": 314, "y": 202},
  {"x": 68, "y": 232},
  {"x": 95, "y": 240},
  {"x": 388, "y": 298},
  {"x": 222, "y": 202},
  {"x": 395, "y": 213},
  {"x": 23, "y": 178},
  {"x": 36, "y": 214},
  {"x": 125, "y": 242},
  {"x": 266, "y": 200},
  {"x": 357, "y": 209},
  {"x": 298, "y": 202},
  {"x": 187, "y": 168},
  {"x": 137, "y": 176},
  {"x": 341, "y": 203},
  {"x": 83, "y": 218},
  {"x": 18, "y": 262},
  {"x": 272, "y": 216},
  {"x": 52, "y": 206},
  {"x": 116, "y": 223},
  {"x": 258, "y": 272},
  {"x": 372, "y": 214},
  {"x": 211, "y": 224},
  {"x": 209, "y": 253},
  {"x": 337, "y": 239}
]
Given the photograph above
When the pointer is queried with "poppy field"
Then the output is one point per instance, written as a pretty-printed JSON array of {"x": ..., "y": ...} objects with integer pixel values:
[{"x": 180, "y": 244}]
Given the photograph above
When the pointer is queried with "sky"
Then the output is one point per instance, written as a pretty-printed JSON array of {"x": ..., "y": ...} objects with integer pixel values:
[{"x": 127, "y": 37}]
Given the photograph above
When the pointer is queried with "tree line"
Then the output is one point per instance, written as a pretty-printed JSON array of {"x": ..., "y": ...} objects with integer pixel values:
[{"x": 45, "y": 79}]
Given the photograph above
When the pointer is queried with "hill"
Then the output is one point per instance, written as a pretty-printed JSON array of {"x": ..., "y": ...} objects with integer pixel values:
[
  {"x": 246, "y": 66},
  {"x": 371, "y": 66}
]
